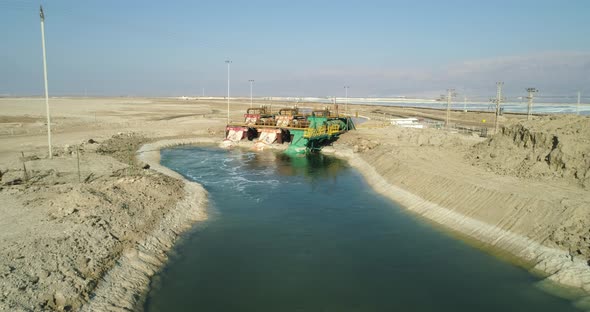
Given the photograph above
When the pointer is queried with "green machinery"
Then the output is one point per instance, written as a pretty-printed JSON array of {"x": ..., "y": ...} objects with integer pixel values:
[
  {"x": 323, "y": 129},
  {"x": 305, "y": 132}
]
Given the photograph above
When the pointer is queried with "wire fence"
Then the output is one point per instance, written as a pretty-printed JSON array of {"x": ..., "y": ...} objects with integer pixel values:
[{"x": 384, "y": 120}]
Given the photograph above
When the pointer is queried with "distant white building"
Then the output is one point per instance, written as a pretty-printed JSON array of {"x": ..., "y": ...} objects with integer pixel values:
[{"x": 407, "y": 123}]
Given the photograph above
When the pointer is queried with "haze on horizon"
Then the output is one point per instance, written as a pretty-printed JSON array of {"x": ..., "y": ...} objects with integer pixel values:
[{"x": 296, "y": 48}]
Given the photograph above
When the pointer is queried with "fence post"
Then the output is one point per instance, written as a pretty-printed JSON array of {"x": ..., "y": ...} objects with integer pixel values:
[
  {"x": 78, "y": 158},
  {"x": 25, "y": 175}
]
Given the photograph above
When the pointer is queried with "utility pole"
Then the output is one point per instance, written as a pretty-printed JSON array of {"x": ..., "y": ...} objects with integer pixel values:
[
  {"x": 228, "y": 62},
  {"x": 498, "y": 100},
  {"x": 346, "y": 103},
  {"x": 578, "y": 105},
  {"x": 42, "y": 15},
  {"x": 450, "y": 94},
  {"x": 251, "y": 82},
  {"x": 465, "y": 103},
  {"x": 531, "y": 91},
  {"x": 333, "y": 105}
]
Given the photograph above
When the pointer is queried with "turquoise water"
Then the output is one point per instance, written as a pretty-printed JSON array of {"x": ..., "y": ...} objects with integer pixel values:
[{"x": 308, "y": 234}]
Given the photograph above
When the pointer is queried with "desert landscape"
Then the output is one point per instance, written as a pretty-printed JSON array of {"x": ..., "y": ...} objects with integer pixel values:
[{"x": 86, "y": 229}]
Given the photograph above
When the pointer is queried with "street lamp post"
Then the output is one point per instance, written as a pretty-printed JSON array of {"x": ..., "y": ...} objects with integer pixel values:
[
  {"x": 251, "y": 82},
  {"x": 450, "y": 94},
  {"x": 228, "y": 62},
  {"x": 42, "y": 15},
  {"x": 346, "y": 102},
  {"x": 578, "y": 105}
]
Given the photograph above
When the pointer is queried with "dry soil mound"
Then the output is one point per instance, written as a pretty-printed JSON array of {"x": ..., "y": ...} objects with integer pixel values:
[{"x": 556, "y": 147}]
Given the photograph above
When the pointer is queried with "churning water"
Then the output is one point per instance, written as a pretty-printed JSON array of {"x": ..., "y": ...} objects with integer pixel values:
[{"x": 308, "y": 234}]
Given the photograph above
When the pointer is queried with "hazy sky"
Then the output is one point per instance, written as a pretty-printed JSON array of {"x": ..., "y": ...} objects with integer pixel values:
[{"x": 296, "y": 48}]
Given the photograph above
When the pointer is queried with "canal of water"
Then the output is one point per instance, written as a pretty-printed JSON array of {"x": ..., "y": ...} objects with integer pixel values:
[{"x": 308, "y": 234}]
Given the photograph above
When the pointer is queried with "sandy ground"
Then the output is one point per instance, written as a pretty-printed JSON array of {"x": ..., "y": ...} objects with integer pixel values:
[
  {"x": 67, "y": 239},
  {"x": 60, "y": 235}
]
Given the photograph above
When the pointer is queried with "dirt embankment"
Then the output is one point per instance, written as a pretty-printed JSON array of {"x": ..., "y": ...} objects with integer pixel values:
[
  {"x": 439, "y": 176},
  {"x": 61, "y": 237},
  {"x": 550, "y": 148},
  {"x": 64, "y": 239}
]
